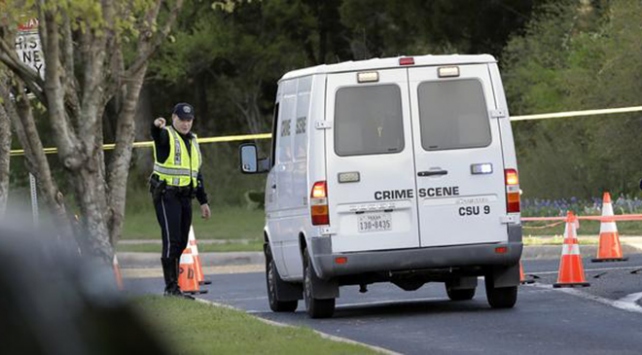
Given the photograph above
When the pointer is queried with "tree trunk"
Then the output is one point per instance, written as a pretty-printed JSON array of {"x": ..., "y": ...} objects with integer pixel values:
[
  {"x": 121, "y": 158},
  {"x": 21, "y": 116},
  {"x": 90, "y": 189},
  {"x": 5, "y": 150}
]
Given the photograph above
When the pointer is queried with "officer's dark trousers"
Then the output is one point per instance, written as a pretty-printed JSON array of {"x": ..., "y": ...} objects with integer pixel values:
[{"x": 174, "y": 214}]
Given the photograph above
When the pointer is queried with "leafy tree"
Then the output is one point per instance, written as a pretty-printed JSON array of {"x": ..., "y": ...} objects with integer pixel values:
[
  {"x": 228, "y": 63},
  {"x": 577, "y": 55},
  {"x": 390, "y": 28},
  {"x": 95, "y": 52}
]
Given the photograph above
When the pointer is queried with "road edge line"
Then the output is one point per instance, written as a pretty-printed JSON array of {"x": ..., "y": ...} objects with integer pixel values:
[
  {"x": 627, "y": 303},
  {"x": 320, "y": 333}
]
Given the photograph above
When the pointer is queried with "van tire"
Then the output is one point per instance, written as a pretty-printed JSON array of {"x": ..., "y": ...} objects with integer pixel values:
[
  {"x": 316, "y": 308},
  {"x": 459, "y": 294},
  {"x": 500, "y": 297},
  {"x": 274, "y": 282}
]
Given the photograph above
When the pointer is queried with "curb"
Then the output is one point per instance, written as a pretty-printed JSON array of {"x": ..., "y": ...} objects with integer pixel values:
[
  {"x": 131, "y": 260},
  {"x": 138, "y": 260},
  {"x": 555, "y": 251}
]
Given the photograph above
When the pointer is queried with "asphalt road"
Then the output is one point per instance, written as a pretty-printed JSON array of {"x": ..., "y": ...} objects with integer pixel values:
[{"x": 605, "y": 318}]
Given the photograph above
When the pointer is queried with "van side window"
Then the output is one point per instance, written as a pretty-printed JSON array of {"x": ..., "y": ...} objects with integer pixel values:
[
  {"x": 368, "y": 120},
  {"x": 275, "y": 121},
  {"x": 453, "y": 115}
]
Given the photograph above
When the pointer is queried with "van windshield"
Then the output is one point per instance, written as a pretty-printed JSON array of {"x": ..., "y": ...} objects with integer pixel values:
[
  {"x": 453, "y": 115},
  {"x": 368, "y": 120}
]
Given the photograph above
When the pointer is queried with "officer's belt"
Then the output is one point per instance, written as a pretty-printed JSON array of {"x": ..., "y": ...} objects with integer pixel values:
[{"x": 178, "y": 188}]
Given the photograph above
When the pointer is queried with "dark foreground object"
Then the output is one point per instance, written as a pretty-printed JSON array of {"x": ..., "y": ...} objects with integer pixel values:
[{"x": 56, "y": 302}]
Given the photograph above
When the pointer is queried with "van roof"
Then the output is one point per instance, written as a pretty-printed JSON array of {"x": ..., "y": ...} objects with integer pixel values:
[{"x": 393, "y": 62}]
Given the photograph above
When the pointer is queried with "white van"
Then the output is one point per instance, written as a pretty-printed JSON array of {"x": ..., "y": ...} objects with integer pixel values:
[{"x": 400, "y": 170}]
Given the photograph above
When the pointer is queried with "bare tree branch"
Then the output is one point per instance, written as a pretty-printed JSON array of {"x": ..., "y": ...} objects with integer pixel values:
[
  {"x": 93, "y": 78},
  {"x": 67, "y": 141},
  {"x": 119, "y": 165},
  {"x": 71, "y": 85}
]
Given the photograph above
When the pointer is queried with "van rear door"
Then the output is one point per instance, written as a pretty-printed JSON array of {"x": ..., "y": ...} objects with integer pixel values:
[
  {"x": 370, "y": 166},
  {"x": 458, "y": 156}
]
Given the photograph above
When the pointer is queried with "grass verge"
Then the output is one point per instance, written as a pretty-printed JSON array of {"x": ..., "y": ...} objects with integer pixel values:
[
  {"x": 551, "y": 228},
  {"x": 226, "y": 223},
  {"x": 196, "y": 328},
  {"x": 557, "y": 240}
]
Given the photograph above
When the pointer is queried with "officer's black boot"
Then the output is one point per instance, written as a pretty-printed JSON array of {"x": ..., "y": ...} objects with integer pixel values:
[
  {"x": 177, "y": 268},
  {"x": 170, "y": 272}
]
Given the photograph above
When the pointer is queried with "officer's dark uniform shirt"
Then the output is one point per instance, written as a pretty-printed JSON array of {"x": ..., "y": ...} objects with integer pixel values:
[{"x": 161, "y": 139}]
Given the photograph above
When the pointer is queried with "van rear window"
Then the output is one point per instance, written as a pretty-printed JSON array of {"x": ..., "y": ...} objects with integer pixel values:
[
  {"x": 453, "y": 115},
  {"x": 368, "y": 120}
]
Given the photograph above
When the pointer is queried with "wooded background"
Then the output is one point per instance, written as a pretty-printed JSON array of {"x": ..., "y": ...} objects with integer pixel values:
[{"x": 554, "y": 56}]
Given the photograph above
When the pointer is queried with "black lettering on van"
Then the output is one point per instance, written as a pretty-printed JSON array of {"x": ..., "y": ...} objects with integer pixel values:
[
  {"x": 468, "y": 210},
  {"x": 394, "y": 194},
  {"x": 439, "y": 191}
]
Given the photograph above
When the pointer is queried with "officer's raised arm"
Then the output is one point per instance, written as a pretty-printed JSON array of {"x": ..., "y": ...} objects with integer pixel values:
[{"x": 159, "y": 135}]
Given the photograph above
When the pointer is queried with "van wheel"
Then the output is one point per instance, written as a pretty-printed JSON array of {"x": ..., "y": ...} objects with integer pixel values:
[
  {"x": 274, "y": 281},
  {"x": 500, "y": 297},
  {"x": 459, "y": 294},
  {"x": 316, "y": 308}
]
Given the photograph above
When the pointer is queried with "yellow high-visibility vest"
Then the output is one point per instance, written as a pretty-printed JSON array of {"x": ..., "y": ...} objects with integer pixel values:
[{"x": 180, "y": 168}]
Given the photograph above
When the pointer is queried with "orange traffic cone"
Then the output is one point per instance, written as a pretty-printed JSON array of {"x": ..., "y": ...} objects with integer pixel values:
[
  {"x": 198, "y": 267},
  {"x": 609, "y": 248},
  {"x": 117, "y": 274},
  {"x": 571, "y": 270},
  {"x": 522, "y": 278},
  {"x": 187, "y": 274}
]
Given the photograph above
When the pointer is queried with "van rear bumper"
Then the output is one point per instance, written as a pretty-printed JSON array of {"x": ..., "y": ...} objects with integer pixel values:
[{"x": 411, "y": 259}]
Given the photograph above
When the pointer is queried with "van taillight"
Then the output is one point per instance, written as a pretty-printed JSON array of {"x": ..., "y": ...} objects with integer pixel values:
[
  {"x": 407, "y": 61},
  {"x": 512, "y": 191},
  {"x": 319, "y": 204}
]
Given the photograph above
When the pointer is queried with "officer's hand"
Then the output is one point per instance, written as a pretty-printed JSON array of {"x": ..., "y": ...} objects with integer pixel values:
[
  {"x": 205, "y": 211},
  {"x": 159, "y": 122}
]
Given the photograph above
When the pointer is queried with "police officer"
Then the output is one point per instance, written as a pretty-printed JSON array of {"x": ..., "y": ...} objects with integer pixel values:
[{"x": 175, "y": 181}]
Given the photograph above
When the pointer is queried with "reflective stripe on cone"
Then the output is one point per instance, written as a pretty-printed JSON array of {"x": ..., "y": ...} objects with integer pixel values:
[
  {"x": 571, "y": 270},
  {"x": 609, "y": 248}
]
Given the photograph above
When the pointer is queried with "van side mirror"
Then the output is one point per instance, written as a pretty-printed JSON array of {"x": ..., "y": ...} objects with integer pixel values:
[
  {"x": 249, "y": 160},
  {"x": 250, "y": 163}
]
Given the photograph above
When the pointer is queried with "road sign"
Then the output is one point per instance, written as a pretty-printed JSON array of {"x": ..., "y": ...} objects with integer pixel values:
[{"x": 28, "y": 46}]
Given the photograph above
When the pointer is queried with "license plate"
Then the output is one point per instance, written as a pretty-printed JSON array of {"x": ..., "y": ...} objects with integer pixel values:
[{"x": 374, "y": 222}]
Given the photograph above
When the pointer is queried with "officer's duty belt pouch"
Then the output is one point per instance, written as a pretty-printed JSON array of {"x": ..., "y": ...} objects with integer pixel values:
[{"x": 157, "y": 187}]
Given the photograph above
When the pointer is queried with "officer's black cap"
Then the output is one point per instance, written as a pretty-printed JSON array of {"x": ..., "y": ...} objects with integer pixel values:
[{"x": 184, "y": 111}]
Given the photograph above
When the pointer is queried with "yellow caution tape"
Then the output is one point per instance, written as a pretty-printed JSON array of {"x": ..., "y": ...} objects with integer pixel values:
[
  {"x": 607, "y": 111},
  {"x": 111, "y": 146},
  {"x": 577, "y": 113}
]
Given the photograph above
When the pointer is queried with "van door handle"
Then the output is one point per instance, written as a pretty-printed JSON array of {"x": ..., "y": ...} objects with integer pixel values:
[
  {"x": 274, "y": 186},
  {"x": 432, "y": 172}
]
